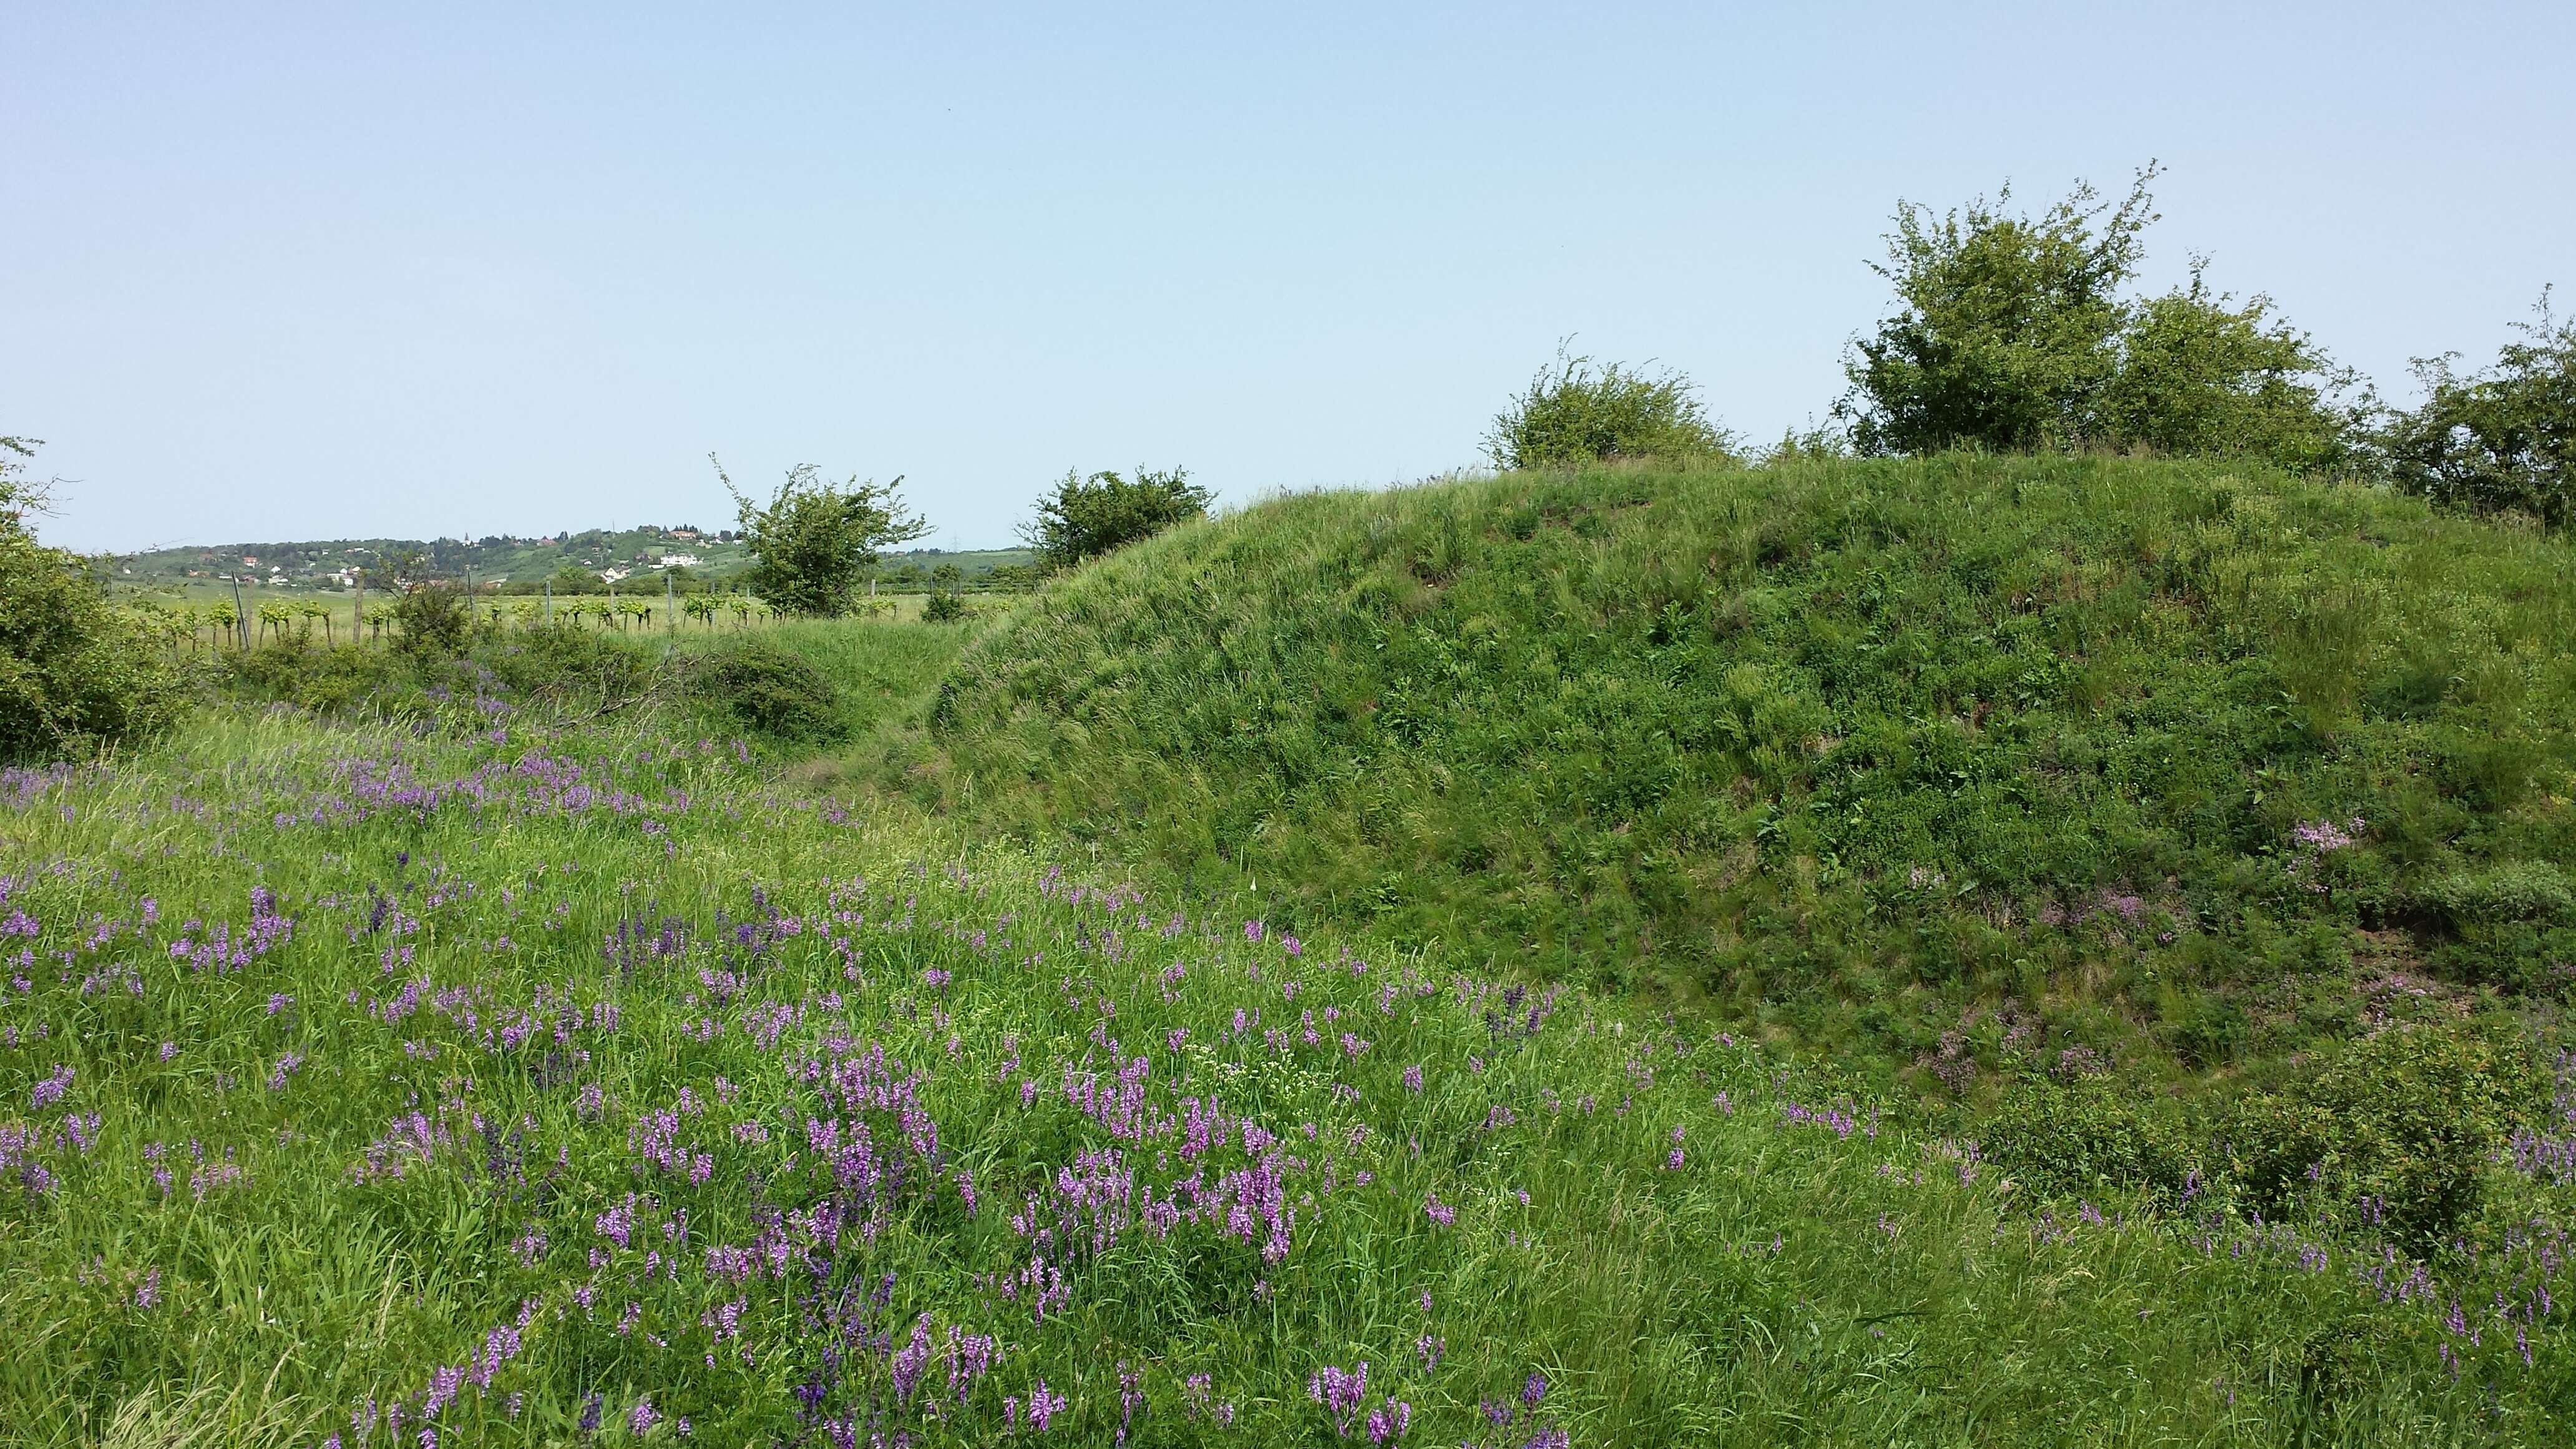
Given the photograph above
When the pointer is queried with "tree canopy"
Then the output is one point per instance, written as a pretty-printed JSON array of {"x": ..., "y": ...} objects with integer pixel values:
[
  {"x": 2015, "y": 333},
  {"x": 2502, "y": 438},
  {"x": 815, "y": 540}
]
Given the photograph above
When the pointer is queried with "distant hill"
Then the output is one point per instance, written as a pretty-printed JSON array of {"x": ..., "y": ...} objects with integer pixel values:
[
  {"x": 324, "y": 564},
  {"x": 1961, "y": 758}
]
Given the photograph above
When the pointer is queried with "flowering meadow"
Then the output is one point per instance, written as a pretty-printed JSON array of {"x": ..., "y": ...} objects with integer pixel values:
[{"x": 374, "y": 1086}]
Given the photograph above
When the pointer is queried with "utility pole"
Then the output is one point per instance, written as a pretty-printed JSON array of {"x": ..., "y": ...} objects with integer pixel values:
[{"x": 241, "y": 614}]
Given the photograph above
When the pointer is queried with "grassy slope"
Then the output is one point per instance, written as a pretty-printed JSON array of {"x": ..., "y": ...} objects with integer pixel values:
[
  {"x": 1852, "y": 746},
  {"x": 386, "y": 1157}
]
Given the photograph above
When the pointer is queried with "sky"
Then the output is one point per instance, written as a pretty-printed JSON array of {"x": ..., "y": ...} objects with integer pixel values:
[{"x": 279, "y": 272}]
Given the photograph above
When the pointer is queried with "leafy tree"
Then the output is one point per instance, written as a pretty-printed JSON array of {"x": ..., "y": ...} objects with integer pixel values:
[
  {"x": 2013, "y": 333},
  {"x": 2007, "y": 329},
  {"x": 1087, "y": 517},
  {"x": 1574, "y": 413},
  {"x": 74, "y": 668},
  {"x": 2502, "y": 438},
  {"x": 815, "y": 540},
  {"x": 2200, "y": 375}
]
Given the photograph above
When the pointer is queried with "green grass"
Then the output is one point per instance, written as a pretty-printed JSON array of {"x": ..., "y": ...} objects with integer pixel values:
[
  {"x": 884, "y": 670},
  {"x": 1946, "y": 763},
  {"x": 400, "y": 1132}
]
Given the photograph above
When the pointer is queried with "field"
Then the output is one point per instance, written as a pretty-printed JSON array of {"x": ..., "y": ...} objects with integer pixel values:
[{"x": 507, "y": 1068}]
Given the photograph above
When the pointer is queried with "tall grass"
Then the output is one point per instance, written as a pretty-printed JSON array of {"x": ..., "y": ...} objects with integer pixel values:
[{"x": 528, "y": 1084}]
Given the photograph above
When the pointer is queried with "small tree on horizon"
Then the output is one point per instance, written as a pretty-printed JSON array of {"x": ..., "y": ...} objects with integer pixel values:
[
  {"x": 815, "y": 540},
  {"x": 1087, "y": 517},
  {"x": 2500, "y": 439}
]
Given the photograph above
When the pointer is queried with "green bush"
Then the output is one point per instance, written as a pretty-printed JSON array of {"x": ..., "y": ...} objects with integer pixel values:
[
  {"x": 2012, "y": 334},
  {"x": 770, "y": 690},
  {"x": 2499, "y": 440},
  {"x": 565, "y": 668},
  {"x": 1573, "y": 413},
  {"x": 2397, "y": 1131},
  {"x": 943, "y": 607},
  {"x": 74, "y": 668},
  {"x": 434, "y": 620},
  {"x": 1088, "y": 517},
  {"x": 2516, "y": 890},
  {"x": 2064, "y": 1139},
  {"x": 566, "y": 665}
]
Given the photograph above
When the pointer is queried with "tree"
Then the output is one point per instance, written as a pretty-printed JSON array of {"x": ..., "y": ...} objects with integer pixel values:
[
  {"x": 1575, "y": 414},
  {"x": 2200, "y": 375},
  {"x": 2007, "y": 327},
  {"x": 2500, "y": 439},
  {"x": 815, "y": 540},
  {"x": 1087, "y": 517},
  {"x": 2013, "y": 333},
  {"x": 74, "y": 668}
]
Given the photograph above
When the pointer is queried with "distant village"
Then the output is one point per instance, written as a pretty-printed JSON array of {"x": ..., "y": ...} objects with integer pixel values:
[{"x": 567, "y": 562}]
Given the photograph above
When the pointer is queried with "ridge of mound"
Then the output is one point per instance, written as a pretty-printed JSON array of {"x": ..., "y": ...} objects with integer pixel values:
[{"x": 2137, "y": 746}]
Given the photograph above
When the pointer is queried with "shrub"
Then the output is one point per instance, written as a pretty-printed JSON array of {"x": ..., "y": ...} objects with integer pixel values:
[
  {"x": 2498, "y": 440},
  {"x": 74, "y": 668},
  {"x": 434, "y": 620},
  {"x": 2011, "y": 334},
  {"x": 2520, "y": 890},
  {"x": 1087, "y": 517},
  {"x": 943, "y": 607},
  {"x": 2067, "y": 1138},
  {"x": 2007, "y": 328},
  {"x": 1575, "y": 414},
  {"x": 815, "y": 541},
  {"x": 2397, "y": 1130},
  {"x": 2199, "y": 375},
  {"x": 771, "y": 690}
]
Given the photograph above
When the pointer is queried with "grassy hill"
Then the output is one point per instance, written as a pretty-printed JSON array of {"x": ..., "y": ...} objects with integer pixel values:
[{"x": 1972, "y": 761}]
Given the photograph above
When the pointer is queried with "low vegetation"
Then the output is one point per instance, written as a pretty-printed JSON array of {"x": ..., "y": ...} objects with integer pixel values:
[{"x": 512, "y": 1083}]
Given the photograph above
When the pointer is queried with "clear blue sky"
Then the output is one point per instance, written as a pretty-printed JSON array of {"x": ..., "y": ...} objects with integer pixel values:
[{"x": 299, "y": 271}]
